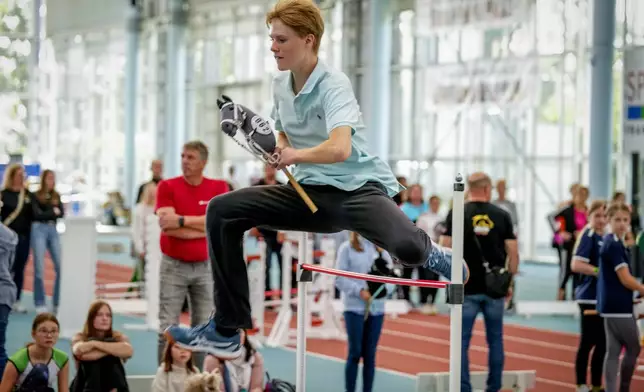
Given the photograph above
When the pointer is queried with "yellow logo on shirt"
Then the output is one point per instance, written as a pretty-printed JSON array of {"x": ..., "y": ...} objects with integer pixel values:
[{"x": 482, "y": 224}]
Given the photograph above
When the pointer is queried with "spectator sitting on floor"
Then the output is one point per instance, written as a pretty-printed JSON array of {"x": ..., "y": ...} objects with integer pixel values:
[
  {"x": 175, "y": 369},
  {"x": 38, "y": 366},
  {"x": 100, "y": 352},
  {"x": 245, "y": 373}
]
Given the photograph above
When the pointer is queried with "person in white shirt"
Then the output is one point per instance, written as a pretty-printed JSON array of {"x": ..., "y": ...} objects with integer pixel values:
[
  {"x": 143, "y": 217},
  {"x": 431, "y": 222},
  {"x": 511, "y": 208},
  {"x": 506, "y": 204}
]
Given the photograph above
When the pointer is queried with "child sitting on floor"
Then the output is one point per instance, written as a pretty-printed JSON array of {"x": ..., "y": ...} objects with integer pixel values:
[{"x": 175, "y": 369}]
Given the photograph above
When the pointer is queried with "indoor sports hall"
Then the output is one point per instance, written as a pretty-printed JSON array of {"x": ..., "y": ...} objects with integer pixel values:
[{"x": 508, "y": 134}]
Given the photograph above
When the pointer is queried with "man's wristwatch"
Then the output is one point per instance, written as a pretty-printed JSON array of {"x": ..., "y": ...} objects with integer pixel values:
[{"x": 181, "y": 221}]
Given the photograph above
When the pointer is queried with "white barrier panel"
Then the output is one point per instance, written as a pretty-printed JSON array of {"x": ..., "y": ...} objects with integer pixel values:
[
  {"x": 279, "y": 332},
  {"x": 522, "y": 380},
  {"x": 256, "y": 269},
  {"x": 149, "y": 304},
  {"x": 153, "y": 273},
  {"x": 79, "y": 243},
  {"x": 332, "y": 326},
  {"x": 319, "y": 300},
  {"x": 140, "y": 383},
  {"x": 78, "y": 273},
  {"x": 547, "y": 308},
  {"x": 129, "y": 306}
]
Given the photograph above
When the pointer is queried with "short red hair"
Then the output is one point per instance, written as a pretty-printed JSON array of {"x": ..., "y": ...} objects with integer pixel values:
[{"x": 303, "y": 16}]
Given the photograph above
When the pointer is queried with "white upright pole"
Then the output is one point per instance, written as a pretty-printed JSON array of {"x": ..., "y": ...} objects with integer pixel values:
[
  {"x": 456, "y": 311},
  {"x": 152, "y": 273},
  {"x": 300, "y": 361},
  {"x": 287, "y": 267},
  {"x": 279, "y": 334}
]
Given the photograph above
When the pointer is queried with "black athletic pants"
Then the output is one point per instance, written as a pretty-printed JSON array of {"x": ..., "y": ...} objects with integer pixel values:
[
  {"x": 565, "y": 270},
  {"x": 272, "y": 248},
  {"x": 368, "y": 211},
  {"x": 592, "y": 335},
  {"x": 427, "y": 294}
]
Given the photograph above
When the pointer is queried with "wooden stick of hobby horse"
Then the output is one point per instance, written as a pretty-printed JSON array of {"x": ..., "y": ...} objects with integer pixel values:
[{"x": 301, "y": 191}]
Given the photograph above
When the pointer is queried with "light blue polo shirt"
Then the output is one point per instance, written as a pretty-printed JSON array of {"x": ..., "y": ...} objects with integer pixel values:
[{"x": 325, "y": 103}]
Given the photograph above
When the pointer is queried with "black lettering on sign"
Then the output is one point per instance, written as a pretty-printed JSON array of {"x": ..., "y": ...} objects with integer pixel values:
[{"x": 634, "y": 129}]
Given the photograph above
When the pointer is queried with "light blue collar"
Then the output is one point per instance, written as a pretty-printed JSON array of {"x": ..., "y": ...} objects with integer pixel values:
[{"x": 312, "y": 81}]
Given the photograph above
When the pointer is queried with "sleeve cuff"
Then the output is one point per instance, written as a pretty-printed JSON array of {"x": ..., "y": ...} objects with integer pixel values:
[
  {"x": 620, "y": 265},
  {"x": 341, "y": 124},
  {"x": 359, "y": 287}
]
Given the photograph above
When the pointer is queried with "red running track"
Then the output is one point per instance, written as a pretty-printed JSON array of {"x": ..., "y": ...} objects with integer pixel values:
[
  {"x": 417, "y": 343},
  {"x": 106, "y": 273}
]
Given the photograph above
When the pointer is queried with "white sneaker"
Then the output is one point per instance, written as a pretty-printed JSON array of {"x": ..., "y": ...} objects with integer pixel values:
[
  {"x": 583, "y": 388},
  {"x": 42, "y": 309},
  {"x": 18, "y": 308},
  {"x": 428, "y": 309}
]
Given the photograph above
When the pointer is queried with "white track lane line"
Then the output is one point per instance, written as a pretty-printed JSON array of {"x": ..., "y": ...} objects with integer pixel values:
[
  {"x": 446, "y": 361},
  {"x": 507, "y": 336}
]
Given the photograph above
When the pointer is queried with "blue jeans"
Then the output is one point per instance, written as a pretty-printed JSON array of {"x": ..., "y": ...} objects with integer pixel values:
[
  {"x": 362, "y": 341},
  {"x": 492, "y": 310},
  {"x": 4, "y": 320},
  {"x": 44, "y": 236}
]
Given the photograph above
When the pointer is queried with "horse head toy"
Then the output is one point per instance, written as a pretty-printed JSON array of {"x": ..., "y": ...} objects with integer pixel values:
[{"x": 258, "y": 137}]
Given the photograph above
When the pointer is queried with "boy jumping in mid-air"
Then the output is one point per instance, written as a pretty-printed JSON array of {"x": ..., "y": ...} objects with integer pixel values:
[{"x": 320, "y": 131}]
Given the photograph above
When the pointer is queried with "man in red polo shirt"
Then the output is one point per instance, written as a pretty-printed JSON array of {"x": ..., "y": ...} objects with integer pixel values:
[{"x": 185, "y": 268}]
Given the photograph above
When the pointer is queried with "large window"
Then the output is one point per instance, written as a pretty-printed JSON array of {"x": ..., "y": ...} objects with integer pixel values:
[
  {"x": 495, "y": 88},
  {"x": 84, "y": 118},
  {"x": 17, "y": 103},
  {"x": 231, "y": 55},
  {"x": 505, "y": 90}
]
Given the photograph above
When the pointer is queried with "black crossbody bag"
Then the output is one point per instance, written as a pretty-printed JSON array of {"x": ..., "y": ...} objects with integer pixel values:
[{"x": 497, "y": 279}]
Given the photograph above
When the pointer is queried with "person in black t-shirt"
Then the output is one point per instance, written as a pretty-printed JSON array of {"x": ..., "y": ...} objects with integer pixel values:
[{"x": 488, "y": 235}]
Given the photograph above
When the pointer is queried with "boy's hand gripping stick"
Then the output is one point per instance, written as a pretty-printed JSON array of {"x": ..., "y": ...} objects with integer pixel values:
[{"x": 259, "y": 137}]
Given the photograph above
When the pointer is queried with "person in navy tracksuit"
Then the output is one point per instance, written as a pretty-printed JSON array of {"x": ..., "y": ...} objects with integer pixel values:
[
  {"x": 585, "y": 262},
  {"x": 615, "y": 288}
]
